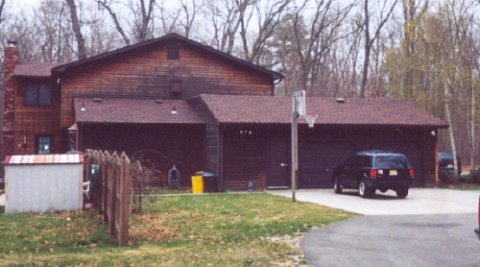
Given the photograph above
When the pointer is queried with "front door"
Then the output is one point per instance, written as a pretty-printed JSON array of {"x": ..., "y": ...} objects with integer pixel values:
[{"x": 278, "y": 173}]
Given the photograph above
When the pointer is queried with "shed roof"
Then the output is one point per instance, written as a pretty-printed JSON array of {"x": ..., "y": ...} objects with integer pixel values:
[
  {"x": 354, "y": 111},
  {"x": 37, "y": 70},
  {"x": 44, "y": 159},
  {"x": 132, "y": 110}
]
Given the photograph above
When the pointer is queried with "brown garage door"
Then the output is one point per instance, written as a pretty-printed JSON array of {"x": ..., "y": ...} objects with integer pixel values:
[
  {"x": 317, "y": 160},
  {"x": 414, "y": 154}
]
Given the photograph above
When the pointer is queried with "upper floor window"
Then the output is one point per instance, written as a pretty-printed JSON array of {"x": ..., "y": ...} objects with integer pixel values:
[
  {"x": 173, "y": 52},
  {"x": 37, "y": 94}
]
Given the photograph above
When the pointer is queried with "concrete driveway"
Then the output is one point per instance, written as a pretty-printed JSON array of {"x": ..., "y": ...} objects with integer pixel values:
[{"x": 420, "y": 201}]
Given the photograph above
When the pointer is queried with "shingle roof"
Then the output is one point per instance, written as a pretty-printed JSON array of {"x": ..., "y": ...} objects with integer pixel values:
[
  {"x": 39, "y": 70},
  {"x": 354, "y": 111},
  {"x": 171, "y": 36},
  {"x": 128, "y": 110}
]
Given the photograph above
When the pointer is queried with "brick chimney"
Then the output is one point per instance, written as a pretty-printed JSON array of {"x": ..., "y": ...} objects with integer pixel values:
[{"x": 11, "y": 55}]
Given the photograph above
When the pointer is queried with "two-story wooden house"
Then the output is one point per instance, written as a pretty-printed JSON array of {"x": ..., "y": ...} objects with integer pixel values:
[{"x": 189, "y": 105}]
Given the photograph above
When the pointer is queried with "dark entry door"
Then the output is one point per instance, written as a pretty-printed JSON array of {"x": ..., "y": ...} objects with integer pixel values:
[
  {"x": 317, "y": 159},
  {"x": 278, "y": 172}
]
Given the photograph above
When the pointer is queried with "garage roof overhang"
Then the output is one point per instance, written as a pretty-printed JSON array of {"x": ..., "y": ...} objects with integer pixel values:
[
  {"x": 134, "y": 111},
  {"x": 276, "y": 110}
]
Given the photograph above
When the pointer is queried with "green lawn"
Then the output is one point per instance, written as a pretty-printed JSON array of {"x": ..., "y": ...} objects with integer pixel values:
[{"x": 205, "y": 230}]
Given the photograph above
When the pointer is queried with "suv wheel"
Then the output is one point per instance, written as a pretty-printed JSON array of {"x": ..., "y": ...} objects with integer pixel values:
[
  {"x": 363, "y": 189},
  {"x": 402, "y": 192},
  {"x": 337, "y": 187}
]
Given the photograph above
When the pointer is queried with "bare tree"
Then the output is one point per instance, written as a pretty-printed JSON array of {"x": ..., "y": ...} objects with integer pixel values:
[
  {"x": 190, "y": 13},
  {"x": 322, "y": 34},
  {"x": 170, "y": 20},
  {"x": 141, "y": 12},
  {"x": 224, "y": 16},
  {"x": 77, "y": 29},
  {"x": 268, "y": 20},
  {"x": 53, "y": 31},
  {"x": 143, "y": 19},
  {"x": 107, "y": 6},
  {"x": 369, "y": 38}
]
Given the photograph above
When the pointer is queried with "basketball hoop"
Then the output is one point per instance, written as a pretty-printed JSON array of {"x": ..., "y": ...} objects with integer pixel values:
[{"x": 310, "y": 118}]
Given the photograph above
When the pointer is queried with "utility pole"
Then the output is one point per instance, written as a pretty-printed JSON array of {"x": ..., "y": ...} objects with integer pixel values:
[{"x": 298, "y": 109}]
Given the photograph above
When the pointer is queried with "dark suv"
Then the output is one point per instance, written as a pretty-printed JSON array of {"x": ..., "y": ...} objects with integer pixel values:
[
  {"x": 374, "y": 169},
  {"x": 445, "y": 164}
]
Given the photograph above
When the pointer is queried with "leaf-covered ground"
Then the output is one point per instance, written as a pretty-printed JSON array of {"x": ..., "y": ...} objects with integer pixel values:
[{"x": 192, "y": 230}]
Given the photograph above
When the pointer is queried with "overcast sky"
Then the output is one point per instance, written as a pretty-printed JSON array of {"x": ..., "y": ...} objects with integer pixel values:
[{"x": 18, "y": 5}]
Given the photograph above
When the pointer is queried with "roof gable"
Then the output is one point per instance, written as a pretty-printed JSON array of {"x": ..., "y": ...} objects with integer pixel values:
[{"x": 164, "y": 39}]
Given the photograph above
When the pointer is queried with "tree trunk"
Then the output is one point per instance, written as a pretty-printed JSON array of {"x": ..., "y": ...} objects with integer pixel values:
[
  {"x": 82, "y": 54},
  {"x": 365, "y": 71},
  {"x": 472, "y": 124},
  {"x": 450, "y": 128},
  {"x": 119, "y": 28},
  {"x": 2, "y": 5}
]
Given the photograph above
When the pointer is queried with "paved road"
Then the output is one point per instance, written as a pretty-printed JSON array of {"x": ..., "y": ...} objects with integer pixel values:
[{"x": 419, "y": 240}]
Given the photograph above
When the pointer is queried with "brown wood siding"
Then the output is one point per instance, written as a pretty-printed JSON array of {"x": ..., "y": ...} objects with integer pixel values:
[
  {"x": 162, "y": 146},
  {"x": 31, "y": 121},
  {"x": 148, "y": 74}
]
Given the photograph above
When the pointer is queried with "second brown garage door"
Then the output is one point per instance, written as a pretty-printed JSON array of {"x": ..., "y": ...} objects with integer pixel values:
[
  {"x": 414, "y": 154},
  {"x": 317, "y": 159}
]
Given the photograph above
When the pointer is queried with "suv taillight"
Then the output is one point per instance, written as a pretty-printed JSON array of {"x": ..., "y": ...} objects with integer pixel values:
[
  {"x": 411, "y": 172},
  {"x": 373, "y": 173}
]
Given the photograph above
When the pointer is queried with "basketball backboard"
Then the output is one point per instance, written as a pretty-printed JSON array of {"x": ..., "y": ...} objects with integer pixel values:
[{"x": 299, "y": 102}]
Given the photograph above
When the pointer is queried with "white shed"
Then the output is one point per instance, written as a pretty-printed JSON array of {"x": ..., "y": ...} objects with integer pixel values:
[{"x": 40, "y": 183}]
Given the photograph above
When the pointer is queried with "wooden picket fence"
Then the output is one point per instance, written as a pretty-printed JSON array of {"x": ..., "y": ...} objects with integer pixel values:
[{"x": 111, "y": 189}]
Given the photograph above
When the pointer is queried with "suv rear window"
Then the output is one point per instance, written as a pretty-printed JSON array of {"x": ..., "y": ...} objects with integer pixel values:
[{"x": 391, "y": 162}]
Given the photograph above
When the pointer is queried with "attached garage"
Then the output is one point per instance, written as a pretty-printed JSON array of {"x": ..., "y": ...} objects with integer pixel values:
[{"x": 342, "y": 128}]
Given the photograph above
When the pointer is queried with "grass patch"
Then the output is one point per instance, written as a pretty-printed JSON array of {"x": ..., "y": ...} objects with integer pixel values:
[{"x": 206, "y": 230}]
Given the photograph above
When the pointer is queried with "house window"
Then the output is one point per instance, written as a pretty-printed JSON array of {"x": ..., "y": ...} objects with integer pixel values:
[
  {"x": 44, "y": 144},
  {"x": 173, "y": 52},
  {"x": 38, "y": 94},
  {"x": 176, "y": 88}
]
